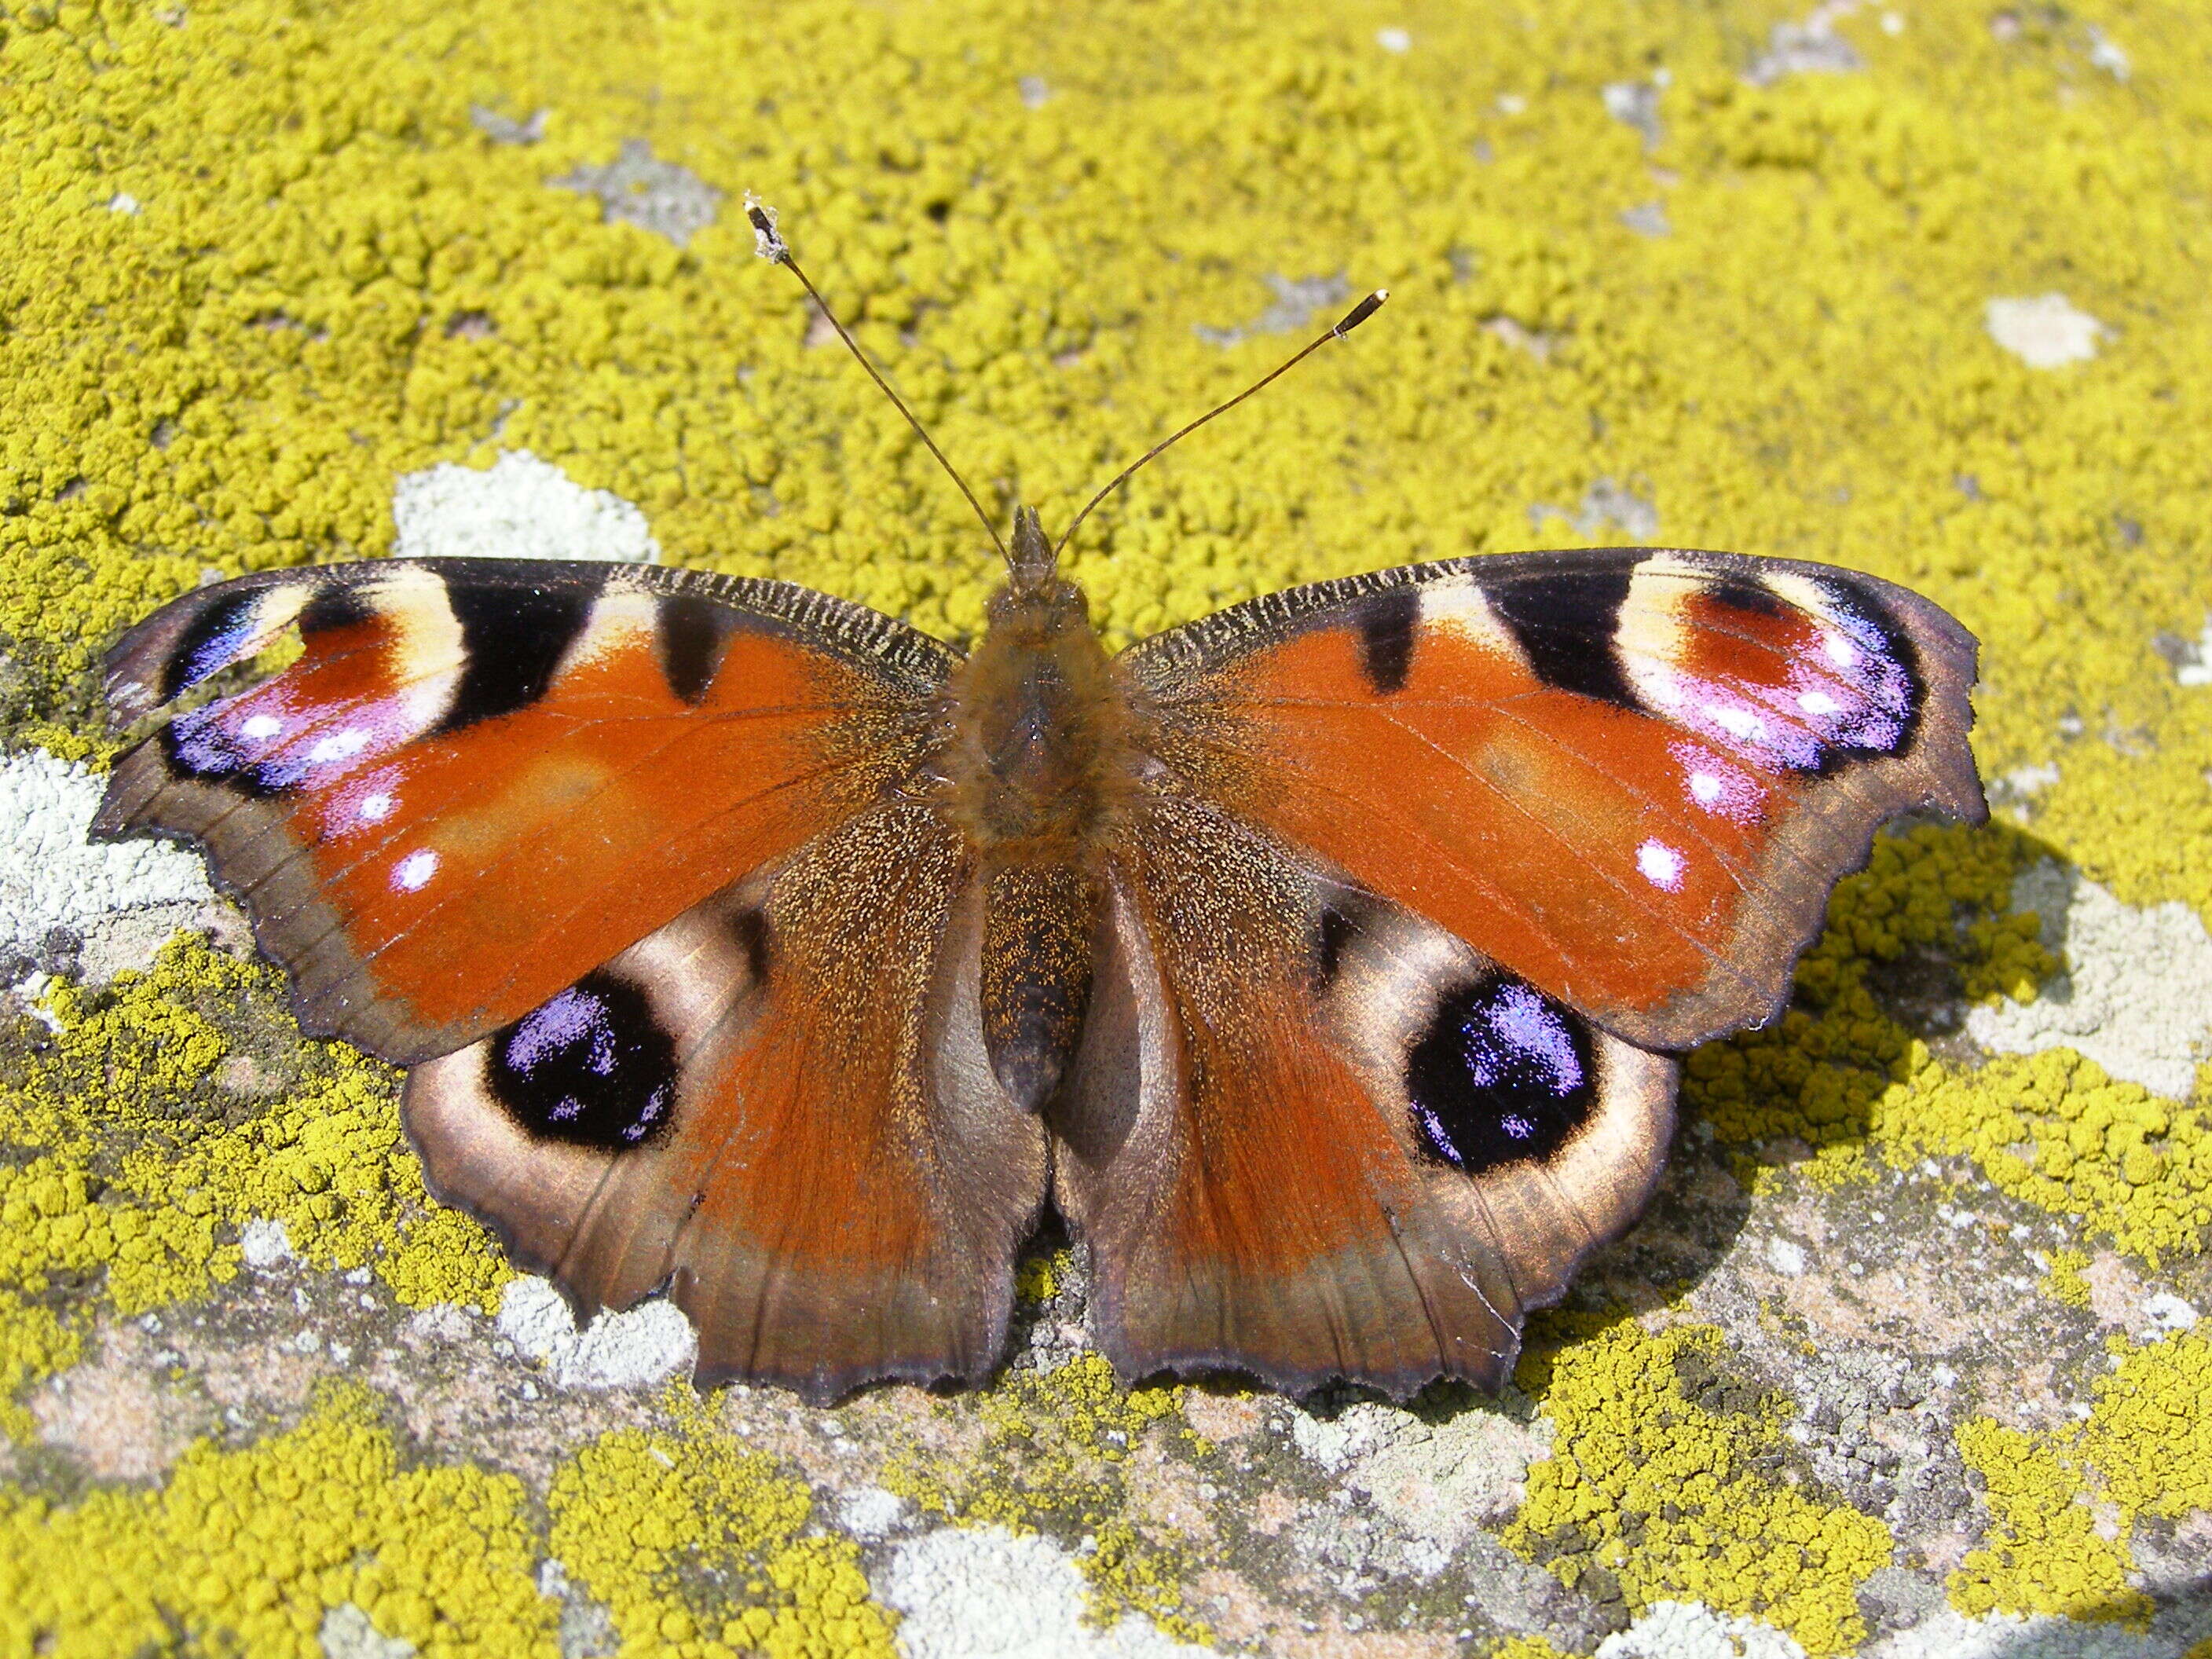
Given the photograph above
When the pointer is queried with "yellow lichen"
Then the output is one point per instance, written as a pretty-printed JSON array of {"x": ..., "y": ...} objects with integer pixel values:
[
  {"x": 1672, "y": 1501},
  {"x": 139, "y": 1161},
  {"x": 2062, "y": 1281},
  {"x": 2043, "y": 1552},
  {"x": 2150, "y": 1436},
  {"x": 2146, "y": 1450},
  {"x": 34, "y": 1342},
  {"x": 1055, "y": 1440},
  {"x": 695, "y": 1543},
  {"x": 246, "y": 1551},
  {"x": 2054, "y": 1129},
  {"x": 1525, "y": 1647},
  {"x": 1039, "y": 1278}
]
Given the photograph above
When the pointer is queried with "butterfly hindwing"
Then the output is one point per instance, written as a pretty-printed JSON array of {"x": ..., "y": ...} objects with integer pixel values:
[
  {"x": 482, "y": 779},
  {"x": 780, "y": 1107},
  {"x": 1631, "y": 776},
  {"x": 1310, "y": 1135}
]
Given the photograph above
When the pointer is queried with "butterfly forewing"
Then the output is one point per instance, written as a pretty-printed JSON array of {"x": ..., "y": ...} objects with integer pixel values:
[
  {"x": 1630, "y": 777},
  {"x": 481, "y": 780}
]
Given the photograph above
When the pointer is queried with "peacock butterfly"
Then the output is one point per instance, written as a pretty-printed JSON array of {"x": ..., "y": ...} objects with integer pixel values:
[{"x": 1323, "y": 961}]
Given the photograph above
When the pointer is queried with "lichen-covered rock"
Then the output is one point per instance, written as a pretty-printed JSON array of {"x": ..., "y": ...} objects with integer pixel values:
[{"x": 1907, "y": 1359}]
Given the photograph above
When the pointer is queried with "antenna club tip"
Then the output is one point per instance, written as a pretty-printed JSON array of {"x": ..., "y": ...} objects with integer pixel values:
[
  {"x": 1360, "y": 312},
  {"x": 768, "y": 240}
]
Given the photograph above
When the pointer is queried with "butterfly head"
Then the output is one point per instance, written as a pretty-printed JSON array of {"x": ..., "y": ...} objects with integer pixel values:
[
  {"x": 1036, "y": 604},
  {"x": 1032, "y": 564}
]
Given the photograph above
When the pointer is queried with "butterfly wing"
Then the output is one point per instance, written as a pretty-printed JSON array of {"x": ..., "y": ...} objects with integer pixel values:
[
  {"x": 1630, "y": 777},
  {"x": 482, "y": 779},
  {"x": 780, "y": 1107},
  {"x": 1435, "y": 861},
  {"x": 1310, "y": 1135}
]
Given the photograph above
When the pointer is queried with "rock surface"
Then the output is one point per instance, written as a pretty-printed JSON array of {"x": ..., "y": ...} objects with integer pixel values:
[{"x": 1908, "y": 1357}]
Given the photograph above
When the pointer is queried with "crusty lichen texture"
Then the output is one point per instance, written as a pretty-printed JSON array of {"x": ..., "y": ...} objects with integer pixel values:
[{"x": 258, "y": 260}]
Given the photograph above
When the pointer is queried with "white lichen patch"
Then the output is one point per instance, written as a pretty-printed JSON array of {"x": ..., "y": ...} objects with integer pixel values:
[
  {"x": 1812, "y": 47},
  {"x": 1439, "y": 1481},
  {"x": 347, "y": 1632},
  {"x": 987, "y": 1593},
  {"x": 519, "y": 507},
  {"x": 2137, "y": 995},
  {"x": 51, "y": 878},
  {"x": 1605, "y": 503},
  {"x": 637, "y": 1349},
  {"x": 2045, "y": 331},
  {"x": 266, "y": 1245},
  {"x": 871, "y": 1512},
  {"x": 656, "y": 196},
  {"x": 1299, "y": 301},
  {"x": 1691, "y": 1630},
  {"x": 1948, "y": 1634}
]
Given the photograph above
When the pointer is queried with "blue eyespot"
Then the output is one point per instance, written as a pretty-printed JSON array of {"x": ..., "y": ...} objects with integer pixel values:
[
  {"x": 591, "y": 1067},
  {"x": 1502, "y": 1074}
]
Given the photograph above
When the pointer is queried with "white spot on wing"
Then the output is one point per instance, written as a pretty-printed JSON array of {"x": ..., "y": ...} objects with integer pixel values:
[
  {"x": 1705, "y": 788},
  {"x": 260, "y": 725},
  {"x": 339, "y": 746},
  {"x": 413, "y": 871},
  {"x": 1660, "y": 865},
  {"x": 1737, "y": 722}
]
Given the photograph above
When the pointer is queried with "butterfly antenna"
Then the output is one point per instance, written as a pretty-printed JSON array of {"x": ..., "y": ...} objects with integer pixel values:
[
  {"x": 1352, "y": 318},
  {"x": 768, "y": 243}
]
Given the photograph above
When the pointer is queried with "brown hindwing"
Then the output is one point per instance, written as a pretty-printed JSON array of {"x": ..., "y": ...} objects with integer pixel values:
[
  {"x": 1310, "y": 1135},
  {"x": 779, "y": 1106}
]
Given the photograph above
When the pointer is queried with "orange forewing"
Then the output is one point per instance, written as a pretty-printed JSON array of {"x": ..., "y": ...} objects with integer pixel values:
[
  {"x": 1640, "y": 858},
  {"x": 427, "y": 880}
]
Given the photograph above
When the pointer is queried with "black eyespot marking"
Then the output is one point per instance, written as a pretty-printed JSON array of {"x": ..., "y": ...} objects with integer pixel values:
[
  {"x": 1336, "y": 930},
  {"x": 339, "y": 605},
  {"x": 693, "y": 632},
  {"x": 210, "y": 642},
  {"x": 1389, "y": 622},
  {"x": 1565, "y": 623},
  {"x": 515, "y": 638},
  {"x": 750, "y": 929},
  {"x": 591, "y": 1067},
  {"x": 1503, "y": 1075},
  {"x": 1743, "y": 593}
]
